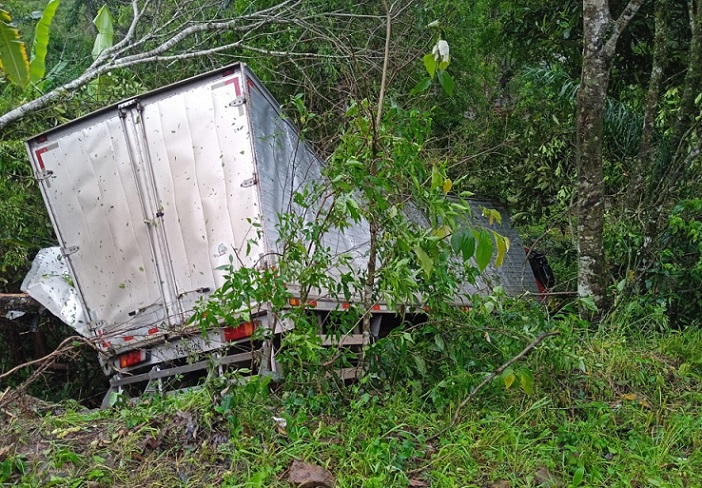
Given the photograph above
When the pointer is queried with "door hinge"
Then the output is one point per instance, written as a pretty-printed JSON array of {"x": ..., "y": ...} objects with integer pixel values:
[
  {"x": 67, "y": 251},
  {"x": 124, "y": 107},
  {"x": 238, "y": 101},
  {"x": 44, "y": 175},
  {"x": 250, "y": 182}
]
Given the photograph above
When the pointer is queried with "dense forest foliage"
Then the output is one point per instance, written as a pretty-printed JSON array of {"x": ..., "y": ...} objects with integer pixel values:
[
  {"x": 581, "y": 118},
  {"x": 509, "y": 127}
]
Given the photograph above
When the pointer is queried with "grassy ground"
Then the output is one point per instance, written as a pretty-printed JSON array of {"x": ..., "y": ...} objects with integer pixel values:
[{"x": 608, "y": 410}]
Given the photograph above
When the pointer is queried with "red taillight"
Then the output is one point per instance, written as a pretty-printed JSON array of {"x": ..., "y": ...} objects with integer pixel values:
[
  {"x": 133, "y": 357},
  {"x": 295, "y": 302},
  {"x": 241, "y": 331}
]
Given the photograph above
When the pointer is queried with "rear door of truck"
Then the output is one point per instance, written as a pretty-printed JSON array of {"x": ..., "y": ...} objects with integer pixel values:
[
  {"x": 89, "y": 183},
  {"x": 148, "y": 199}
]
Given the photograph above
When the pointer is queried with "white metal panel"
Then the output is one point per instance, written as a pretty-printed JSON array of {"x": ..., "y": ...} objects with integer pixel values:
[
  {"x": 239, "y": 175},
  {"x": 199, "y": 147},
  {"x": 285, "y": 165},
  {"x": 514, "y": 275},
  {"x": 94, "y": 203},
  {"x": 155, "y": 195},
  {"x": 49, "y": 282}
]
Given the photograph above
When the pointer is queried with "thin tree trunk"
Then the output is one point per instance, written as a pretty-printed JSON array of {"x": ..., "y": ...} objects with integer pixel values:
[
  {"x": 672, "y": 172},
  {"x": 693, "y": 76},
  {"x": 669, "y": 173},
  {"x": 373, "y": 223},
  {"x": 646, "y": 157},
  {"x": 591, "y": 103},
  {"x": 369, "y": 284}
]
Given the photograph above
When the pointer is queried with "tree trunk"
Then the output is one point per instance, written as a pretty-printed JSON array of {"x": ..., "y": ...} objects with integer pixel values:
[
  {"x": 591, "y": 102},
  {"x": 693, "y": 78},
  {"x": 600, "y": 36}
]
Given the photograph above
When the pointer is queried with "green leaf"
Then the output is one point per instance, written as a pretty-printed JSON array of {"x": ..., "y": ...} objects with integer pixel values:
[
  {"x": 467, "y": 245},
  {"x": 588, "y": 303},
  {"x": 578, "y": 476},
  {"x": 420, "y": 87},
  {"x": 113, "y": 398},
  {"x": 456, "y": 239},
  {"x": 502, "y": 244},
  {"x": 463, "y": 241},
  {"x": 446, "y": 82},
  {"x": 13, "y": 53},
  {"x": 439, "y": 341},
  {"x": 424, "y": 260},
  {"x": 5, "y": 470},
  {"x": 483, "y": 252},
  {"x": 258, "y": 478},
  {"x": 442, "y": 231},
  {"x": 492, "y": 215},
  {"x": 526, "y": 380},
  {"x": 430, "y": 64},
  {"x": 509, "y": 377},
  {"x": 437, "y": 179},
  {"x": 37, "y": 67},
  {"x": 421, "y": 365},
  {"x": 105, "y": 26}
]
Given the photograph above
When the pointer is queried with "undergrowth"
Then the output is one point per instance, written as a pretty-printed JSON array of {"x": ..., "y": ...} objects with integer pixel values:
[{"x": 608, "y": 408}]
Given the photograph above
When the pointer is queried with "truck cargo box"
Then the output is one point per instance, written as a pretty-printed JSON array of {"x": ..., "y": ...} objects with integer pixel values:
[{"x": 151, "y": 196}]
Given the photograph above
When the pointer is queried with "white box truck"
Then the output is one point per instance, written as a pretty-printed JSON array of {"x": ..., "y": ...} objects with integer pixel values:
[{"x": 149, "y": 197}]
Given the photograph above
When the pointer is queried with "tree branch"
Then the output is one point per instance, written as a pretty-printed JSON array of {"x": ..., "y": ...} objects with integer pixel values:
[
  {"x": 171, "y": 35},
  {"x": 620, "y": 24}
]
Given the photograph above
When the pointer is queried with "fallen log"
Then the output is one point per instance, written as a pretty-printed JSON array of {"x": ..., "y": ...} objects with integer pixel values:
[{"x": 20, "y": 302}]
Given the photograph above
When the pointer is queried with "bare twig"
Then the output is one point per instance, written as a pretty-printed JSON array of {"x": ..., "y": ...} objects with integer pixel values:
[
  {"x": 41, "y": 365},
  {"x": 63, "y": 348},
  {"x": 386, "y": 60}
]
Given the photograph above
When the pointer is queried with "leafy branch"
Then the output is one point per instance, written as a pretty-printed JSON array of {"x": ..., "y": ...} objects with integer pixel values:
[{"x": 490, "y": 377}]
